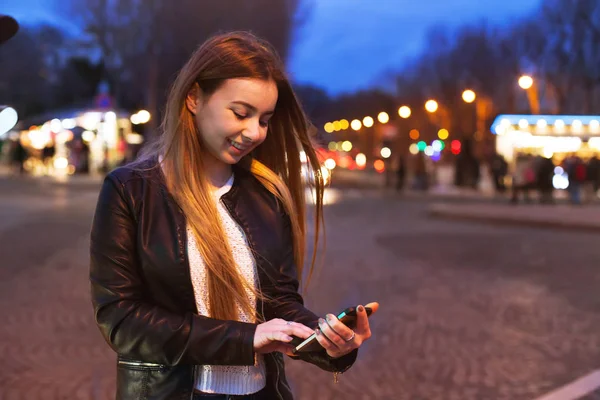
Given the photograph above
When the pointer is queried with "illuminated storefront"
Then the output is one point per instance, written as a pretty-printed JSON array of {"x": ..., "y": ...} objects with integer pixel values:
[
  {"x": 83, "y": 139},
  {"x": 550, "y": 136}
]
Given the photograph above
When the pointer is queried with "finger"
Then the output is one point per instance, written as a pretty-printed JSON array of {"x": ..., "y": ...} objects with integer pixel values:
[
  {"x": 297, "y": 329},
  {"x": 338, "y": 326},
  {"x": 374, "y": 306},
  {"x": 331, "y": 334},
  {"x": 326, "y": 343},
  {"x": 279, "y": 336},
  {"x": 362, "y": 322},
  {"x": 308, "y": 330}
]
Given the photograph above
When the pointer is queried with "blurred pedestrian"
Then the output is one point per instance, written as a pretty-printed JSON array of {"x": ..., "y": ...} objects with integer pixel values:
[
  {"x": 421, "y": 175},
  {"x": 576, "y": 172},
  {"x": 389, "y": 172},
  {"x": 592, "y": 179},
  {"x": 19, "y": 155},
  {"x": 197, "y": 248},
  {"x": 467, "y": 168},
  {"x": 499, "y": 169},
  {"x": 545, "y": 174},
  {"x": 84, "y": 158},
  {"x": 524, "y": 178},
  {"x": 48, "y": 154},
  {"x": 400, "y": 172}
]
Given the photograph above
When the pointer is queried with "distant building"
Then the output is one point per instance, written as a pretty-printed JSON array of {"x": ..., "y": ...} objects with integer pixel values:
[
  {"x": 550, "y": 136},
  {"x": 84, "y": 139}
]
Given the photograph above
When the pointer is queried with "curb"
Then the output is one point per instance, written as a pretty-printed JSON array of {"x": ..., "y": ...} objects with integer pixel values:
[
  {"x": 442, "y": 212},
  {"x": 51, "y": 180}
]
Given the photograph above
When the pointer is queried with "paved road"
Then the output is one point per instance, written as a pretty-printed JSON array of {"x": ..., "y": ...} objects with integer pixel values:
[{"x": 467, "y": 311}]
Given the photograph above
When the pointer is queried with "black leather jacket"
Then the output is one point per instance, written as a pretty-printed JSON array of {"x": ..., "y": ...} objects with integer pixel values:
[{"x": 144, "y": 300}]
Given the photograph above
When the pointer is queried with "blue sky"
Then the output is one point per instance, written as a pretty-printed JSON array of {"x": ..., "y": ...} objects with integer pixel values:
[{"x": 347, "y": 45}]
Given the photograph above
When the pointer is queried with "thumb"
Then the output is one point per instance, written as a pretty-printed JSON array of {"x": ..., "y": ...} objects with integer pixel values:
[{"x": 362, "y": 321}]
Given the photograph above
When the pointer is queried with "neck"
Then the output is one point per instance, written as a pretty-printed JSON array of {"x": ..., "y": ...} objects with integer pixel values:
[{"x": 217, "y": 172}]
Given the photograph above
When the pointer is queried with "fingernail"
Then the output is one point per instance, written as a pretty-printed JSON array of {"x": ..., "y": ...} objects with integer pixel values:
[
  {"x": 318, "y": 331},
  {"x": 321, "y": 320},
  {"x": 327, "y": 317},
  {"x": 361, "y": 308}
]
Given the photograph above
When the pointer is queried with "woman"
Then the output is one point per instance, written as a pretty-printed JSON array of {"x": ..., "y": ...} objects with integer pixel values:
[{"x": 197, "y": 249}]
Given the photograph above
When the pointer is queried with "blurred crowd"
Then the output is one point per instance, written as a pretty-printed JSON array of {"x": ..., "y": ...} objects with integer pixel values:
[
  {"x": 537, "y": 174},
  {"x": 529, "y": 178}
]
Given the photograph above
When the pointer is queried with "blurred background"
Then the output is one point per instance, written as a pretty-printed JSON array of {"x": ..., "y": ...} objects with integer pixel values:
[{"x": 460, "y": 142}]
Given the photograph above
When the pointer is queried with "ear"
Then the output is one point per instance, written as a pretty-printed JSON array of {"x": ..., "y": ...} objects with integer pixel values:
[{"x": 193, "y": 99}]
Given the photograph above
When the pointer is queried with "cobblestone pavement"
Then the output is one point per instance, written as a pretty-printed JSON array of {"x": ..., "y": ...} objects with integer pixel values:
[{"x": 467, "y": 311}]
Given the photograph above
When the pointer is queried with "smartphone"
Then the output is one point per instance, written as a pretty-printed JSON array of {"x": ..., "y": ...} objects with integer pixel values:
[{"x": 347, "y": 317}]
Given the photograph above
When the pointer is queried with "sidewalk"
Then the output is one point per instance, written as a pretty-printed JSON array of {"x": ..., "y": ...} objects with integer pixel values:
[
  {"x": 442, "y": 191},
  {"x": 7, "y": 173},
  {"x": 562, "y": 216}
]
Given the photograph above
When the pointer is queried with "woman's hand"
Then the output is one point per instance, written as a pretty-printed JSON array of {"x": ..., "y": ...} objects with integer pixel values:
[
  {"x": 274, "y": 335},
  {"x": 337, "y": 339}
]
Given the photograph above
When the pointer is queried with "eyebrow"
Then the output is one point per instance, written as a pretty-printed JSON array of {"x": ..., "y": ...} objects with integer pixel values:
[{"x": 251, "y": 107}]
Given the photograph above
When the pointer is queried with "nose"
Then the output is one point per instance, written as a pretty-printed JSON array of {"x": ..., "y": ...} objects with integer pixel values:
[{"x": 252, "y": 131}]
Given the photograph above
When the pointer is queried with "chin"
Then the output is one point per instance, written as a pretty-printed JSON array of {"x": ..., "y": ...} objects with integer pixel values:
[{"x": 229, "y": 159}]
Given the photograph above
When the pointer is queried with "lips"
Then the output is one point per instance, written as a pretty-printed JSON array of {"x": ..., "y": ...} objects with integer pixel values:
[{"x": 237, "y": 145}]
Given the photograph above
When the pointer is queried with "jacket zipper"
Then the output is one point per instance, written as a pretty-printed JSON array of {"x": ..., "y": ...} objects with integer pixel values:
[
  {"x": 187, "y": 262},
  {"x": 140, "y": 364},
  {"x": 231, "y": 214},
  {"x": 277, "y": 378},
  {"x": 193, "y": 381}
]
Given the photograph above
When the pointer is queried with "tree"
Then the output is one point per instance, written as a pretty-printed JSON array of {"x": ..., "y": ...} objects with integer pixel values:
[
  {"x": 77, "y": 82},
  {"x": 469, "y": 58},
  {"x": 316, "y": 103},
  {"x": 29, "y": 65},
  {"x": 563, "y": 47},
  {"x": 144, "y": 43}
]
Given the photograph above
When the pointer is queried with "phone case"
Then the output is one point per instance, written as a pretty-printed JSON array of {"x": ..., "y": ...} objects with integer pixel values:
[{"x": 347, "y": 317}]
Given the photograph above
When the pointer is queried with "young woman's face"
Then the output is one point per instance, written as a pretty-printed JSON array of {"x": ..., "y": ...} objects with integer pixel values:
[{"x": 234, "y": 119}]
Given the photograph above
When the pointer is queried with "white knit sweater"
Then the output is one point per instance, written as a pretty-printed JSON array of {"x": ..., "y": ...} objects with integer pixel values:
[{"x": 236, "y": 380}]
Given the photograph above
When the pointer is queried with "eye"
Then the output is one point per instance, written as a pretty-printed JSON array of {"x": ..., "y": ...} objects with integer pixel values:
[
  {"x": 238, "y": 116},
  {"x": 264, "y": 124}
]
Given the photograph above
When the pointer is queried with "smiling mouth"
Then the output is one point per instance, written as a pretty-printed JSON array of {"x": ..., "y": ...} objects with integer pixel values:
[{"x": 236, "y": 145}]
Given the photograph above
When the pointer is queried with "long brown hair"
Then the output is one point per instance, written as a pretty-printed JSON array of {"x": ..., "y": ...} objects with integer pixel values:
[{"x": 275, "y": 163}]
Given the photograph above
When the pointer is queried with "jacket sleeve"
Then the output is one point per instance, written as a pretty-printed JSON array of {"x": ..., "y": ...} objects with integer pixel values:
[
  {"x": 135, "y": 327},
  {"x": 289, "y": 305}
]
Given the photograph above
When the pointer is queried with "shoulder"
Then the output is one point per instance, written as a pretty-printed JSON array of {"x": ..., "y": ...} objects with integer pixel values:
[
  {"x": 136, "y": 181},
  {"x": 139, "y": 170}
]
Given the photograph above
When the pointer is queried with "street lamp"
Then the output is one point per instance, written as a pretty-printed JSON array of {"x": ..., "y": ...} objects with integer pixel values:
[
  {"x": 383, "y": 117},
  {"x": 385, "y": 152},
  {"x": 431, "y": 106},
  {"x": 368, "y": 122},
  {"x": 8, "y": 119},
  {"x": 404, "y": 112},
  {"x": 141, "y": 117},
  {"x": 469, "y": 96},
  {"x": 526, "y": 82},
  {"x": 347, "y": 146},
  {"x": 356, "y": 125}
]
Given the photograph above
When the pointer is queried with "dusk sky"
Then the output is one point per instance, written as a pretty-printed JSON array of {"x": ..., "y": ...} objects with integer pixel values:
[{"x": 348, "y": 45}]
